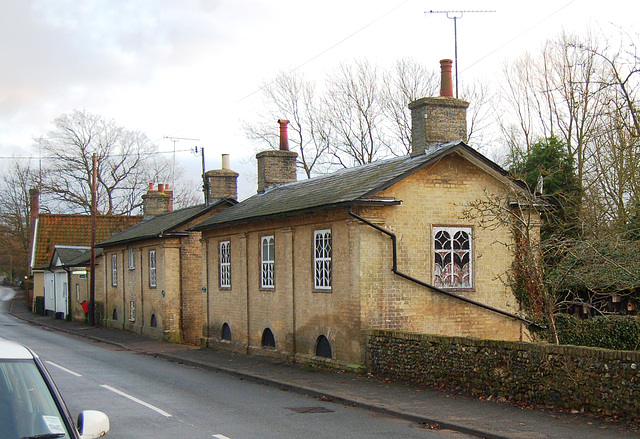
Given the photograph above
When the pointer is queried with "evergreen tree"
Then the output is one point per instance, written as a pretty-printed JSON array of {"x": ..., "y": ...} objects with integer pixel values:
[{"x": 548, "y": 170}]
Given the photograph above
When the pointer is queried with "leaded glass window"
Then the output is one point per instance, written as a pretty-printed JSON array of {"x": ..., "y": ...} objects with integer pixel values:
[
  {"x": 452, "y": 266},
  {"x": 322, "y": 259},
  {"x": 153, "y": 280},
  {"x": 268, "y": 249},
  {"x": 114, "y": 270},
  {"x": 132, "y": 258},
  {"x": 225, "y": 264}
]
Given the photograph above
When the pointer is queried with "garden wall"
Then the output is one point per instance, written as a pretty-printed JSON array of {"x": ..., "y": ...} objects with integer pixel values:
[{"x": 567, "y": 377}]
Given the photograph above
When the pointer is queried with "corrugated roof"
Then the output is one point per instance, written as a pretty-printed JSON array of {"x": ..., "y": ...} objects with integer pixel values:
[
  {"x": 162, "y": 224},
  {"x": 342, "y": 187},
  {"x": 74, "y": 230}
]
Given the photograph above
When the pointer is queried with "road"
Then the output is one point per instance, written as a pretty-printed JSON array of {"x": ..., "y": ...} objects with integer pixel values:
[{"x": 147, "y": 397}]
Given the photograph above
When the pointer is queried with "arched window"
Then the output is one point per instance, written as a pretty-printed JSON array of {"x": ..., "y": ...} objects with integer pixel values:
[
  {"x": 268, "y": 340},
  {"x": 268, "y": 262},
  {"x": 115, "y": 314},
  {"x": 226, "y": 332},
  {"x": 323, "y": 347},
  {"x": 154, "y": 321}
]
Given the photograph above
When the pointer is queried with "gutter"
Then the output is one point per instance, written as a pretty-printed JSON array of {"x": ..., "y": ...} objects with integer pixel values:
[{"x": 395, "y": 270}]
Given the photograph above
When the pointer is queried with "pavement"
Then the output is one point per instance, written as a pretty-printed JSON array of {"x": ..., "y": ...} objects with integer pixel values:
[{"x": 455, "y": 414}]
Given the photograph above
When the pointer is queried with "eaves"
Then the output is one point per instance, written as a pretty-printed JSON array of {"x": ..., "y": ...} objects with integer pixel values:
[{"x": 292, "y": 213}]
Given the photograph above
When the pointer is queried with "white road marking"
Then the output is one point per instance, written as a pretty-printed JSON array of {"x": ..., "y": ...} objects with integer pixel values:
[
  {"x": 63, "y": 368},
  {"x": 220, "y": 436},
  {"x": 139, "y": 401}
]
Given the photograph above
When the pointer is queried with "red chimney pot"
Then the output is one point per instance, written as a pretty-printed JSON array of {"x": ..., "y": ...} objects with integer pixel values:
[
  {"x": 284, "y": 135},
  {"x": 446, "y": 84}
]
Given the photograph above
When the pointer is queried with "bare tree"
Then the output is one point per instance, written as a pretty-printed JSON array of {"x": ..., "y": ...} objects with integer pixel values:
[
  {"x": 290, "y": 96},
  {"x": 355, "y": 108},
  {"x": 127, "y": 161},
  {"x": 361, "y": 115},
  {"x": 521, "y": 103},
  {"x": 15, "y": 216},
  {"x": 405, "y": 82},
  {"x": 583, "y": 91}
]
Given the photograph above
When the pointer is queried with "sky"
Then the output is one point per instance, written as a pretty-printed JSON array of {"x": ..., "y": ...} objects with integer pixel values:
[{"x": 192, "y": 69}]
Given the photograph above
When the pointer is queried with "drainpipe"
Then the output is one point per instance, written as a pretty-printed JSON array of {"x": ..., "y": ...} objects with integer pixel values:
[
  {"x": 395, "y": 270},
  {"x": 206, "y": 287}
]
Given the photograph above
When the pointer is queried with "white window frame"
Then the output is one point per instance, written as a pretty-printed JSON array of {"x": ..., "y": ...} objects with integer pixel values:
[
  {"x": 114, "y": 270},
  {"x": 153, "y": 273},
  {"x": 225, "y": 264},
  {"x": 448, "y": 254},
  {"x": 132, "y": 258},
  {"x": 267, "y": 261},
  {"x": 322, "y": 259}
]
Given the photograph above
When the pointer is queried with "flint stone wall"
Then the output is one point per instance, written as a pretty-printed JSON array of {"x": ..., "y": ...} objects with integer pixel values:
[{"x": 566, "y": 377}]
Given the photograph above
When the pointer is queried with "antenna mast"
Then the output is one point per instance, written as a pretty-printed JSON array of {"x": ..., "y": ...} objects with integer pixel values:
[
  {"x": 173, "y": 166},
  {"x": 454, "y": 15}
]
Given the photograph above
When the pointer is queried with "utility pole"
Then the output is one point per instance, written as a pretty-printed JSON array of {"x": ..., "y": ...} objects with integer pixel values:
[
  {"x": 92, "y": 263},
  {"x": 454, "y": 15},
  {"x": 173, "y": 166},
  {"x": 205, "y": 185}
]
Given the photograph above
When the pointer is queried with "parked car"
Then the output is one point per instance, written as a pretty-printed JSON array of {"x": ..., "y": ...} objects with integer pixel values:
[{"x": 30, "y": 404}]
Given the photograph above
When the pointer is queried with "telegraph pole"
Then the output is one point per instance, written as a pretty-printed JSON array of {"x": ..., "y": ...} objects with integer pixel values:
[
  {"x": 92, "y": 262},
  {"x": 205, "y": 185},
  {"x": 454, "y": 15}
]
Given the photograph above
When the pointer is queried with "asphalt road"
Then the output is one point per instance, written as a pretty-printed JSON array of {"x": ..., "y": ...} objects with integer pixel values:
[{"x": 147, "y": 397}]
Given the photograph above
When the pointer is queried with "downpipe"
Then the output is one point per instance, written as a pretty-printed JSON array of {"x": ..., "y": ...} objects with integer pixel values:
[{"x": 395, "y": 270}]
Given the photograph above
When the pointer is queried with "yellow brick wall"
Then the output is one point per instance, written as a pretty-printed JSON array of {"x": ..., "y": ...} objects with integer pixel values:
[
  {"x": 365, "y": 292},
  {"x": 437, "y": 196},
  {"x": 176, "y": 301},
  {"x": 296, "y": 314}
]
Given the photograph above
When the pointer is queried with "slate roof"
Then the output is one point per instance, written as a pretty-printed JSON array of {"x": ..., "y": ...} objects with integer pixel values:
[
  {"x": 73, "y": 230},
  {"x": 341, "y": 188},
  {"x": 162, "y": 225},
  {"x": 73, "y": 256},
  {"x": 82, "y": 259},
  {"x": 68, "y": 253}
]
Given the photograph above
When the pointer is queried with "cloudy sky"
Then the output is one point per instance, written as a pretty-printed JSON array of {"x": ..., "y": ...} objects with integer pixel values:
[{"x": 193, "y": 68}]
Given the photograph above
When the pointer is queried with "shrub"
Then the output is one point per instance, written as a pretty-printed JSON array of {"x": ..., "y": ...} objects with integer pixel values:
[{"x": 608, "y": 332}]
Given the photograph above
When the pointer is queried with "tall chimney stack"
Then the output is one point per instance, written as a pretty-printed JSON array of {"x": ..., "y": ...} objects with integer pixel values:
[
  {"x": 221, "y": 183},
  {"x": 157, "y": 202},
  {"x": 438, "y": 120},
  {"x": 277, "y": 166}
]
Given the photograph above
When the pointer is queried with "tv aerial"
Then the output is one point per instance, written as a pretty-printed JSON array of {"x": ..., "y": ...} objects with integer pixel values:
[{"x": 455, "y": 15}]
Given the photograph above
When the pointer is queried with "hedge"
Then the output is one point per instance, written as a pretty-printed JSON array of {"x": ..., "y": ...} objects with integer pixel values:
[{"x": 608, "y": 332}]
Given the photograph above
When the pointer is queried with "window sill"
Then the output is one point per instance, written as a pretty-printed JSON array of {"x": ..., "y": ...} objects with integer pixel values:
[
  {"x": 319, "y": 291},
  {"x": 457, "y": 290}
]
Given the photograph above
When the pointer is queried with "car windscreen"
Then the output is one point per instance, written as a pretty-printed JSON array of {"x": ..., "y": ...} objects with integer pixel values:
[{"x": 27, "y": 407}]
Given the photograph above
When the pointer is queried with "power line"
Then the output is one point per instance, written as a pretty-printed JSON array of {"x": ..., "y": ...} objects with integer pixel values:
[
  {"x": 519, "y": 35},
  {"x": 329, "y": 48},
  {"x": 173, "y": 166},
  {"x": 29, "y": 157}
]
